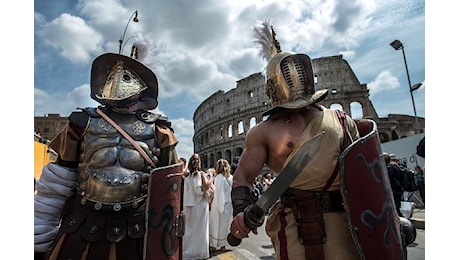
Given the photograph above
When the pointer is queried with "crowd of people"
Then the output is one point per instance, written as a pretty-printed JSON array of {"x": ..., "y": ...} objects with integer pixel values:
[
  {"x": 398, "y": 176},
  {"x": 207, "y": 207}
]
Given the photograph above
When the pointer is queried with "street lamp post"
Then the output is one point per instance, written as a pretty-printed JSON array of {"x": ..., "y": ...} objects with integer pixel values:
[
  {"x": 397, "y": 45},
  {"x": 122, "y": 38}
]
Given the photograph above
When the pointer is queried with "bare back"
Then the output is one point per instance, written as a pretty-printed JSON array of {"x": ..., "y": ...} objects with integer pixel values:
[{"x": 270, "y": 142}]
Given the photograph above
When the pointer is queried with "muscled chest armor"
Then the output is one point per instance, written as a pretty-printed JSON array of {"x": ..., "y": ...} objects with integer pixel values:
[{"x": 111, "y": 170}]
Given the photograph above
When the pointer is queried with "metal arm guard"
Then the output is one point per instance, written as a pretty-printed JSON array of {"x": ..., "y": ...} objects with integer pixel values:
[{"x": 241, "y": 198}]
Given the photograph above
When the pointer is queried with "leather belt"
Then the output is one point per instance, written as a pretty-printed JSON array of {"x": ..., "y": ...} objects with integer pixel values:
[
  {"x": 112, "y": 207},
  {"x": 330, "y": 202}
]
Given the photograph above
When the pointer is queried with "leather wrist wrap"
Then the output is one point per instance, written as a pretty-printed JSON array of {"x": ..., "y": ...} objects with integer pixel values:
[{"x": 241, "y": 198}]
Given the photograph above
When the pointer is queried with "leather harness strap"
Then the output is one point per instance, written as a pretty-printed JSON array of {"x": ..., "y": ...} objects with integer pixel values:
[
  {"x": 316, "y": 251},
  {"x": 341, "y": 116}
]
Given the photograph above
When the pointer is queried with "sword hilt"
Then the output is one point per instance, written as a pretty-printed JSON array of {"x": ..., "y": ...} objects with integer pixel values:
[{"x": 253, "y": 218}]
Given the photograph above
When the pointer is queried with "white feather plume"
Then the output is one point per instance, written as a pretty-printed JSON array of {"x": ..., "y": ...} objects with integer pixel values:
[{"x": 266, "y": 37}]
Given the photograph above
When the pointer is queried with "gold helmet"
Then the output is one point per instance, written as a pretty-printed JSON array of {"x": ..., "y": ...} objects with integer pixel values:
[
  {"x": 120, "y": 81},
  {"x": 290, "y": 83}
]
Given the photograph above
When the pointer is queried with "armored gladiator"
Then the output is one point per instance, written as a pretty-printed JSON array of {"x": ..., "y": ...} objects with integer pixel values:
[
  {"x": 340, "y": 205},
  {"x": 114, "y": 191}
]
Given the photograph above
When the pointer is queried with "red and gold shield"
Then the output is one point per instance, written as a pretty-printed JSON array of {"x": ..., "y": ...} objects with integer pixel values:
[
  {"x": 367, "y": 197},
  {"x": 164, "y": 217}
]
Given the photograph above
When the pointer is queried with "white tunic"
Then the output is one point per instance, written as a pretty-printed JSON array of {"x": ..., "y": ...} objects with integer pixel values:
[
  {"x": 221, "y": 213},
  {"x": 196, "y": 209}
]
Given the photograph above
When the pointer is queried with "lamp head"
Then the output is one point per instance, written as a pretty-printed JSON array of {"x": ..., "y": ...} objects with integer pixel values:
[
  {"x": 396, "y": 44},
  {"x": 415, "y": 87},
  {"x": 135, "y": 17}
]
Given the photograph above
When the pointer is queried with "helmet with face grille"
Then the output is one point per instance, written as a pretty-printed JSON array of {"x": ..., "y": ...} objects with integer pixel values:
[{"x": 290, "y": 83}]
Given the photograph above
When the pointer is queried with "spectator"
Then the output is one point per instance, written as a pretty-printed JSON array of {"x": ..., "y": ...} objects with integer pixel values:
[
  {"x": 255, "y": 191},
  {"x": 221, "y": 210},
  {"x": 196, "y": 209},
  {"x": 184, "y": 161},
  {"x": 267, "y": 181},
  {"x": 420, "y": 180},
  {"x": 210, "y": 175},
  {"x": 234, "y": 165},
  {"x": 259, "y": 184},
  {"x": 395, "y": 177}
]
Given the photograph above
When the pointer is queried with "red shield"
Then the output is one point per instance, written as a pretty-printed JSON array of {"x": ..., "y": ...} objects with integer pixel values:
[
  {"x": 368, "y": 199},
  {"x": 164, "y": 217}
]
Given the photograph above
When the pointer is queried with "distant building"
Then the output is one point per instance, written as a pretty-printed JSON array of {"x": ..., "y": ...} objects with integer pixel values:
[
  {"x": 48, "y": 126},
  {"x": 223, "y": 119}
]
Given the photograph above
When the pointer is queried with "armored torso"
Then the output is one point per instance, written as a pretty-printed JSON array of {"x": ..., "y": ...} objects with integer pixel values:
[{"x": 111, "y": 170}]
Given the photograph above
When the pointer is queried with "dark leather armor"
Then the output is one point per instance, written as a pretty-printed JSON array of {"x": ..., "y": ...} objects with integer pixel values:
[{"x": 111, "y": 171}]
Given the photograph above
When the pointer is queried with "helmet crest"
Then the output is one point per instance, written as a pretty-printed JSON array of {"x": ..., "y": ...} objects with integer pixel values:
[{"x": 289, "y": 75}]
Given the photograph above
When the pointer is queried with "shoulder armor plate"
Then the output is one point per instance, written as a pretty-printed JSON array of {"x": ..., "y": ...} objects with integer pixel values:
[
  {"x": 91, "y": 111},
  {"x": 148, "y": 117},
  {"x": 79, "y": 118}
]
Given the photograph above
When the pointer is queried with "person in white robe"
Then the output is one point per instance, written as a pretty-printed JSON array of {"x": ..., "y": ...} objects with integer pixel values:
[
  {"x": 195, "y": 242},
  {"x": 221, "y": 213}
]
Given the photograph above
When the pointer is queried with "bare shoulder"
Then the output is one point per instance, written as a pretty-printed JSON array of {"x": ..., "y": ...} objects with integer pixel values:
[
  {"x": 255, "y": 129},
  {"x": 260, "y": 131}
]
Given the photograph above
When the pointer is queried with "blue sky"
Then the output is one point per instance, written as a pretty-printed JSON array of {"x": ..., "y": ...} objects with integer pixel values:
[{"x": 199, "y": 47}]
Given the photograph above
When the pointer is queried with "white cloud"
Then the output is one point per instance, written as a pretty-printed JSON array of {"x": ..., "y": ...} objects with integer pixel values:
[
  {"x": 383, "y": 82},
  {"x": 75, "y": 40},
  {"x": 183, "y": 130},
  {"x": 79, "y": 97},
  {"x": 46, "y": 103},
  {"x": 41, "y": 99}
]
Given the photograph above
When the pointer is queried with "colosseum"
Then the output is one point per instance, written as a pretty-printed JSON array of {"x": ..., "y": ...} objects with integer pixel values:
[{"x": 223, "y": 119}]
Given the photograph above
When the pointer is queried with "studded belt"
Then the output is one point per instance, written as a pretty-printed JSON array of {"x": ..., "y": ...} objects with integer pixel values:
[{"x": 112, "y": 207}]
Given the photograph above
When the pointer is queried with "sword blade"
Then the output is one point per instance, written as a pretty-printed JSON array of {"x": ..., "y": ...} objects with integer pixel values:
[{"x": 288, "y": 174}]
